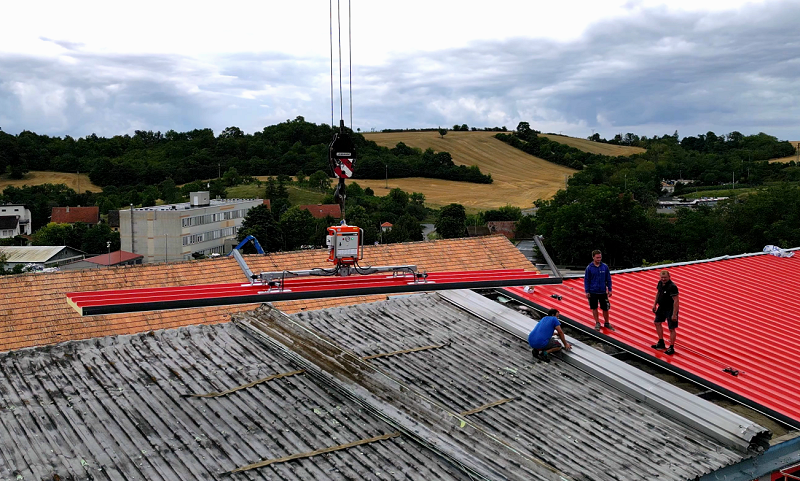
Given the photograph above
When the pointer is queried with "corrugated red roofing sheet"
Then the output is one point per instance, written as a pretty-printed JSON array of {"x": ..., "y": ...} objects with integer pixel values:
[{"x": 741, "y": 313}]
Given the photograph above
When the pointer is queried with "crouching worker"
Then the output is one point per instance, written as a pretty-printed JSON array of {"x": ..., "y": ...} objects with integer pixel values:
[{"x": 541, "y": 337}]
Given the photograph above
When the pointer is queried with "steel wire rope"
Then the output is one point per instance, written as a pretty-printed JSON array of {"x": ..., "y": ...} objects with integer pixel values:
[
  {"x": 350, "y": 53},
  {"x": 339, "y": 18},
  {"x": 330, "y": 24}
]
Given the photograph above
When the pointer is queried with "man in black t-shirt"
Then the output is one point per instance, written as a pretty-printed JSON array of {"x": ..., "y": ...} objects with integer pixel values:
[{"x": 665, "y": 308}]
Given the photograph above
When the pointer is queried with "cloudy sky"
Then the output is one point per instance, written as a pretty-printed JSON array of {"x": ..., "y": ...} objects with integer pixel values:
[{"x": 577, "y": 67}]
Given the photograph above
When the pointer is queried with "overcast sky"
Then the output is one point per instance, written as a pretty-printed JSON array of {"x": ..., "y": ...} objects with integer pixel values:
[{"x": 577, "y": 67}]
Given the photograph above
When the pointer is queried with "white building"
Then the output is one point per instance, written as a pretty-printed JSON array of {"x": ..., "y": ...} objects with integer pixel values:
[
  {"x": 174, "y": 232},
  {"x": 36, "y": 258},
  {"x": 15, "y": 219}
]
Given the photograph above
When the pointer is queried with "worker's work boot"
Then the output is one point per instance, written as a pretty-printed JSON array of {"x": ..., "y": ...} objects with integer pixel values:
[{"x": 659, "y": 345}]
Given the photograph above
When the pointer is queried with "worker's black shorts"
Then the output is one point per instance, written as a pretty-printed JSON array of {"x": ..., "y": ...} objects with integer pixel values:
[
  {"x": 552, "y": 343},
  {"x": 602, "y": 299},
  {"x": 662, "y": 316}
]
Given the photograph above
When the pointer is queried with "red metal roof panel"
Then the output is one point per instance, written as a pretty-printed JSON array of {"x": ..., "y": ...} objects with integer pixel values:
[{"x": 740, "y": 313}]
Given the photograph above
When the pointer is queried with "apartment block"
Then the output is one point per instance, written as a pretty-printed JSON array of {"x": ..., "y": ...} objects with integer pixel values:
[{"x": 168, "y": 233}]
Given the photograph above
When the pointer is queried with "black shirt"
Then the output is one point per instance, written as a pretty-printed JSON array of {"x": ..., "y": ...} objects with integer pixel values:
[{"x": 666, "y": 291}]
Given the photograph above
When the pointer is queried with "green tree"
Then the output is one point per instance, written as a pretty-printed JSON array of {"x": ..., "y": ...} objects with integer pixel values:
[
  {"x": 320, "y": 180},
  {"x": 451, "y": 222},
  {"x": 584, "y": 218},
  {"x": 260, "y": 223},
  {"x": 150, "y": 195},
  {"x": 170, "y": 193},
  {"x": 442, "y": 132},
  {"x": 298, "y": 228},
  {"x": 231, "y": 177},
  {"x": 53, "y": 235}
]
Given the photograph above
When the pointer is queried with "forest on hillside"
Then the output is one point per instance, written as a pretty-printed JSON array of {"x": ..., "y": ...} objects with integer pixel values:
[
  {"x": 148, "y": 157},
  {"x": 610, "y": 203}
]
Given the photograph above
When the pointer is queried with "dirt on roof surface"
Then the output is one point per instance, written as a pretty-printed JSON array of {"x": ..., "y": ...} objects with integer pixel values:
[{"x": 34, "y": 309}]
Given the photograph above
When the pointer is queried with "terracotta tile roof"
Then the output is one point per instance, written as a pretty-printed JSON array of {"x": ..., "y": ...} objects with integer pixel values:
[
  {"x": 34, "y": 309},
  {"x": 320, "y": 211},
  {"x": 386, "y": 224},
  {"x": 116, "y": 257},
  {"x": 70, "y": 215}
]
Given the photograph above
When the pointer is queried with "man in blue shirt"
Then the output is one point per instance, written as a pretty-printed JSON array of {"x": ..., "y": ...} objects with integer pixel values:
[
  {"x": 541, "y": 337},
  {"x": 597, "y": 285}
]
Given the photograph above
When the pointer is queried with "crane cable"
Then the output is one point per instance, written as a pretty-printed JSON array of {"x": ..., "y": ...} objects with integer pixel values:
[{"x": 350, "y": 59}]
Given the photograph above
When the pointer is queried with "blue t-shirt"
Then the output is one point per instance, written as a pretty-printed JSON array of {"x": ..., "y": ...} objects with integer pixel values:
[{"x": 541, "y": 334}]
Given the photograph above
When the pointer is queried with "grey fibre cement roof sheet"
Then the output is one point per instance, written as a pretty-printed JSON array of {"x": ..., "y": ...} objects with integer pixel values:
[
  {"x": 563, "y": 416},
  {"x": 112, "y": 408}
]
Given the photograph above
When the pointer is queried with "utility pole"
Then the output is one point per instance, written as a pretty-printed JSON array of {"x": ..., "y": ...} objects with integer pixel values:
[
  {"x": 165, "y": 248},
  {"x": 387, "y": 175},
  {"x": 132, "y": 236}
]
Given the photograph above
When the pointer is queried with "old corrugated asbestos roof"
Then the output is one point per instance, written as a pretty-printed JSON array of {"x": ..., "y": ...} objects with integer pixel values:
[
  {"x": 34, "y": 309},
  {"x": 33, "y": 254},
  {"x": 738, "y": 327},
  {"x": 558, "y": 415},
  {"x": 408, "y": 388},
  {"x": 113, "y": 408}
]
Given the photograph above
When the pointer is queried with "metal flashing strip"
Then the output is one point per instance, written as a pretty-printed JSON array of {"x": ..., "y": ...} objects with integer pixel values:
[
  {"x": 701, "y": 261},
  {"x": 775, "y": 458},
  {"x": 446, "y": 433},
  {"x": 179, "y": 297},
  {"x": 726, "y": 427}
]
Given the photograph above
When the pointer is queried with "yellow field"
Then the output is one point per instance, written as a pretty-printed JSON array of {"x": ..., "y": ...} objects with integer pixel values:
[
  {"x": 519, "y": 178},
  {"x": 595, "y": 147},
  {"x": 78, "y": 182},
  {"x": 790, "y": 158}
]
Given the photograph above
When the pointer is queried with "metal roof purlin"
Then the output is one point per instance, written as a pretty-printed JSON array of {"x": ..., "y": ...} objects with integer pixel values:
[
  {"x": 409, "y": 411},
  {"x": 726, "y": 427}
]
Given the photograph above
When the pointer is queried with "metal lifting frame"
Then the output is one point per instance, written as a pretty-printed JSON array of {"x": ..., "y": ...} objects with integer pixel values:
[{"x": 276, "y": 279}]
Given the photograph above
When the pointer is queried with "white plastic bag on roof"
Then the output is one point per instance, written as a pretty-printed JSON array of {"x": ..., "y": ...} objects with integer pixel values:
[{"x": 777, "y": 251}]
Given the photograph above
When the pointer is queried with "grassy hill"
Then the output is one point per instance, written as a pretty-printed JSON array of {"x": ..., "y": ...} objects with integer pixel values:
[
  {"x": 519, "y": 178},
  {"x": 594, "y": 147},
  {"x": 77, "y": 182},
  {"x": 790, "y": 158}
]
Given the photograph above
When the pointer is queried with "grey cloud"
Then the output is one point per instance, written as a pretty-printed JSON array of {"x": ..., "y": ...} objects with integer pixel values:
[
  {"x": 652, "y": 72},
  {"x": 655, "y": 71}
]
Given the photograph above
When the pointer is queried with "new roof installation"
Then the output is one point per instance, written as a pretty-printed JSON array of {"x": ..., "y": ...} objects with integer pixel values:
[{"x": 739, "y": 324}]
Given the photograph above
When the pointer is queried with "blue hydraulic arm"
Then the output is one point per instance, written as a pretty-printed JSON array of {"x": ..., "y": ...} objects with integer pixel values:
[{"x": 245, "y": 241}]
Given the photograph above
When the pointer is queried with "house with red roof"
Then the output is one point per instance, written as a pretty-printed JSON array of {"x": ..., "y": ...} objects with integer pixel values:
[
  {"x": 116, "y": 258},
  {"x": 504, "y": 227},
  {"x": 320, "y": 211},
  {"x": 72, "y": 215}
]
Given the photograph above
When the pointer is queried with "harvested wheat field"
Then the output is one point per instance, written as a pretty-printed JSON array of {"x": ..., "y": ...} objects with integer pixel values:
[
  {"x": 77, "y": 182},
  {"x": 595, "y": 147},
  {"x": 790, "y": 158},
  {"x": 519, "y": 178}
]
